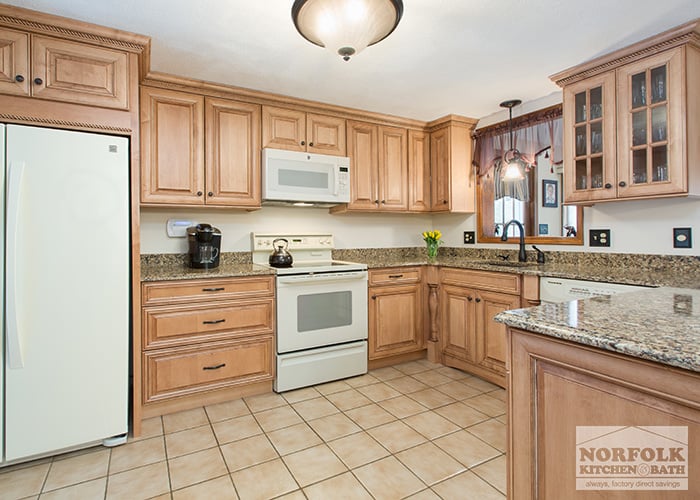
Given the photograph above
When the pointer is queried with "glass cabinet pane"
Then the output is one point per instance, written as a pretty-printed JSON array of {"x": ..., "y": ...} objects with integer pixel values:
[
  {"x": 580, "y": 107},
  {"x": 596, "y": 137},
  {"x": 639, "y": 128},
  {"x": 581, "y": 174},
  {"x": 581, "y": 141},
  {"x": 659, "y": 164},
  {"x": 596, "y": 97},
  {"x": 639, "y": 166},
  {"x": 639, "y": 90},
  {"x": 597, "y": 172},
  {"x": 658, "y": 84},
  {"x": 658, "y": 123}
]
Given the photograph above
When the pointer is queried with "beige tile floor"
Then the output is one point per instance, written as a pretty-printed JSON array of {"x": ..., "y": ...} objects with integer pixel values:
[{"x": 415, "y": 430}]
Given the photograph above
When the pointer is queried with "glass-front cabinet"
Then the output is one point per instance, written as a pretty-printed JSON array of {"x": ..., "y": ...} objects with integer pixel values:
[
  {"x": 651, "y": 126},
  {"x": 589, "y": 128}
]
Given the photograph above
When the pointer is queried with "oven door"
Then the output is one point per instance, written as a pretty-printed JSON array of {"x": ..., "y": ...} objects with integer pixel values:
[{"x": 321, "y": 309}]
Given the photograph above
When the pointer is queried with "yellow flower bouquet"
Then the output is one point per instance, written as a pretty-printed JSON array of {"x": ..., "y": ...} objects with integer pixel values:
[{"x": 433, "y": 240}]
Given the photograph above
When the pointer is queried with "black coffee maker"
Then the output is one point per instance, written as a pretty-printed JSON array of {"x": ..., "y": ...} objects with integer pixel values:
[{"x": 205, "y": 245}]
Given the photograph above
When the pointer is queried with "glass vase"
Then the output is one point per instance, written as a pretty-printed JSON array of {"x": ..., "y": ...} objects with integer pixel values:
[{"x": 432, "y": 247}]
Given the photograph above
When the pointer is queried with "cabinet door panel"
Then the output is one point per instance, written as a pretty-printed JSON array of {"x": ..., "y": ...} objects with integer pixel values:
[
  {"x": 418, "y": 171},
  {"x": 172, "y": 147},
  {"x": 284, "y": 129},
  {"x": 325, "y": 134},
  {"x": 393, "y": 171},
  {"x": 458, "y": 321},
  {"x": 362, "y": 150},
  {"x": 233, "y": 153},
  {"x": 395, "y": 319},
  {"x": 81, "y": 73},
  {"x": 14, "y": 62},
  {"x": 440, "y": 167},
  {"x": 491, "y": 341}
]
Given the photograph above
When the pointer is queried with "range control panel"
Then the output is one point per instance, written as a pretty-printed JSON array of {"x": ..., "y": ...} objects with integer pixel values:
[{"x": 263, "y": 241}]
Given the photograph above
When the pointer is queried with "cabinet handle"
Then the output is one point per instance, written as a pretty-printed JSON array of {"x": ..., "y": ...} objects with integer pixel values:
[
  {"x": 395, "y": 276},
  {"x": 215, "y": 367},
  {"x": 210, "y": 194},
  {"x": 38, "y": 81},
  {"x": 608, "y": 185},
  {"x": 469, "y": 298},
  {"x": 213, "y": 321},
  {"x": 622, "y": 184},
  {"x": 477, "y": 300},
  {"x": 216, "y": 289},
  {"x": 303, "y": 143},
  {"x": 19, "y": 78},
  {"x": 199, "y": 193}
]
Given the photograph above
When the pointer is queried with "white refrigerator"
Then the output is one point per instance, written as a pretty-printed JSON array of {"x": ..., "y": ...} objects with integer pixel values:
[{"x": 64, "y": 379}]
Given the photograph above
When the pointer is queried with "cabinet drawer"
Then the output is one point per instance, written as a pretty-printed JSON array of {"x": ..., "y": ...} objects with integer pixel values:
[
  {"x": 393, "y": 276},
  {"x": 170, "y": 292},
  {"x": 177, "y": 372},
  {"x": 483, "y": 280},
  {"x": 179, "y": 325}
]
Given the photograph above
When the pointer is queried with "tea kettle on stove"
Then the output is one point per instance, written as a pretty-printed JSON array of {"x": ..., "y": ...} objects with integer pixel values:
[{"x": 280, "y": 257}]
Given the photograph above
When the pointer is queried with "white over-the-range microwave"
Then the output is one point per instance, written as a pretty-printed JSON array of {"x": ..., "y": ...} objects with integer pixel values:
[{"x": 297, "y": 178}]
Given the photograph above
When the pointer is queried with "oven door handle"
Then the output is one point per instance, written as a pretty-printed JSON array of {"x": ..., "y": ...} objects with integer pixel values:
[{"x": 321, "y": 278}]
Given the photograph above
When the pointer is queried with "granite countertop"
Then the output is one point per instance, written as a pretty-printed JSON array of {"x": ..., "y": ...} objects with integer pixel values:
[
  {"x": 659, "y": 324},
  {"x": 162, "y": 267}
]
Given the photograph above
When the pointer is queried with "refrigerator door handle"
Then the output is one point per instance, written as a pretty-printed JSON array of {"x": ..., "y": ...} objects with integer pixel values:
[{"x": 15, "y": 176}]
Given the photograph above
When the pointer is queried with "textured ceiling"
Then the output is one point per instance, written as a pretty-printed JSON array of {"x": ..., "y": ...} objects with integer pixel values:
[{"x": 446, "y": 56}]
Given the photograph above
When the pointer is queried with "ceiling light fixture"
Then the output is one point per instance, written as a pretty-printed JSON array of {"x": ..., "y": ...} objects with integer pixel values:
[
  {"x": 514, "y": 164},
  {"x": 346, "y": 26}
]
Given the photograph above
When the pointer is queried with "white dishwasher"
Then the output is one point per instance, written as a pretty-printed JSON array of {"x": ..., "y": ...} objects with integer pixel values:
[{"x": 564, "y": 289}]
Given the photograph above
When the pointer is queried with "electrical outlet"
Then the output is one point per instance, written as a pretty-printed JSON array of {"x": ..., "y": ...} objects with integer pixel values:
[
  {"x": 469, "y": 238},
  {"x": 682, "y": 237},
  {"x": 599, "y": 237}
]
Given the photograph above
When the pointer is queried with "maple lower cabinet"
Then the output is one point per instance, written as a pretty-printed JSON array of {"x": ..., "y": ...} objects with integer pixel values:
[
  {"x": 630, "y": 119},
  {"x": 378, "y": 168},
  {"x": 453, "y": 184},
  {"x": 199, "y": 150},
  {"x": 395, "y": 312},
  {"x": 63, "y": 70},
  {"x": 296, "y": 130},
  {"x": 470, "y": 339},
  {"x": 554, "y": 386},
  {"x": 202, "y": 336}
]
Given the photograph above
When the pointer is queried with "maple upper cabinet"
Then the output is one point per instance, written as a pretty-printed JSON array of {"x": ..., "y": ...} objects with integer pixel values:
[
  {"x": 199, "y": 151},
  {"x": 453, "y": 186},
  {"x": 418, "y": 171},
  {"x": 630, "y": 121},
  {"x": 378, "y": 168},
  {"x": 300, "y": 131},
  {"x": 63, "y": 70}
]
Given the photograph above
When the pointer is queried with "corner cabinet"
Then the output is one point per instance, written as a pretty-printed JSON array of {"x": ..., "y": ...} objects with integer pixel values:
[
  {"x": 295, "y": 130},
  {"x": 199, "y": 150},
  {"x": 395, "y": 312},
  {"x": 631, "y": 119},
  {"x": 453, "y": 185},
  {"x": 470, "y": 339}
]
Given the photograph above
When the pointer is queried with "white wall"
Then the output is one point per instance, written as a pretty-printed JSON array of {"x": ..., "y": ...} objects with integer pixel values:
[{"x": 636, "y": 227}]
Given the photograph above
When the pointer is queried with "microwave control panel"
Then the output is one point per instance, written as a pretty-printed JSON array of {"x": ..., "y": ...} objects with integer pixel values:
[{"x": 343, "y": 180}]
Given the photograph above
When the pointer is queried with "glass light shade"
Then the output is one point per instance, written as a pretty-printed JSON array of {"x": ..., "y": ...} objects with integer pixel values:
[
  {"x": 346, "y": 26},
  {"x": 515, "y": 166}
]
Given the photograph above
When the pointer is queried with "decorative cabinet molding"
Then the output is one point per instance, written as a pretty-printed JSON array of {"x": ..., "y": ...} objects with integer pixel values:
[
  {"x": 631, "y": 119},
  {"x": 299, "y": 131}
]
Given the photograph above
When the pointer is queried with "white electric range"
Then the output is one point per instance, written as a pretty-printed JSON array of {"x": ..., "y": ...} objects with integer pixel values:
[{"x": 321, "y": 311}]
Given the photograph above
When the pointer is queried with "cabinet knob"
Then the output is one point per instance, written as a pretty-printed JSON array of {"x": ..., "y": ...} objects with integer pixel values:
[
  {"x": 374, "y": 297},
  {"x": 383, "y": 202},
  {"x": 376, "y": 202},
  {"x": 303, "y": 143},
  {"x": 470, "y": 298},
  {"x": 199, "y": 193},
  {"x": 210, "y": 194},
  {"x": 608, "y": 185},
  {"x": 477, "y": 300},
  {"x": 311, "y": 144},
  {"x": 622, "y": 184},
  {"x": 444, "y": 202},
  {"x": 19, "y": 78},
  {"x": 38, "y": 81}
]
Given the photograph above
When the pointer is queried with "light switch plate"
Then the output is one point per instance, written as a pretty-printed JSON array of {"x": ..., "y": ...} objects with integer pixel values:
[
  {"x": 682, "y": 237},
  {"x": 599, "y": 237}
]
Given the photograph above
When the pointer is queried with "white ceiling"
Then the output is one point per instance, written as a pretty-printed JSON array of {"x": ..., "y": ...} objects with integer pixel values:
[{"x": 446, "y": 56}]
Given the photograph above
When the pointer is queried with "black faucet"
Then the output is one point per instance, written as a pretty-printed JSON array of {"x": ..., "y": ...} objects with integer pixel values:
[{"x": 522, "y": 257}]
